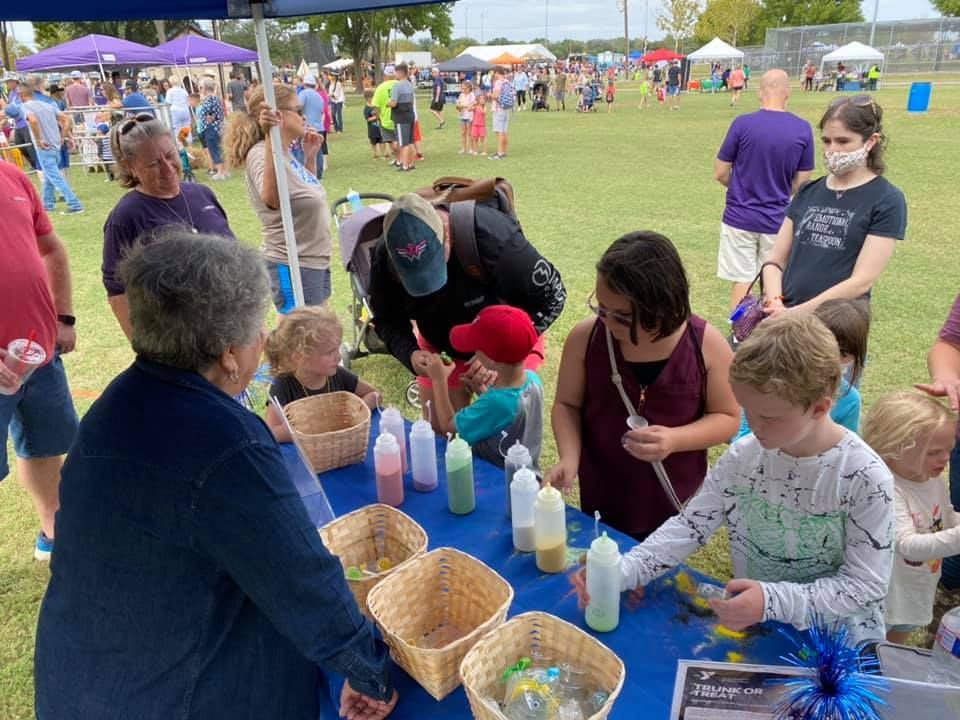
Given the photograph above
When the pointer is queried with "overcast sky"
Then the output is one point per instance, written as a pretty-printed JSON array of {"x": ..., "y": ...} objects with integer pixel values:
[{"x": 579, "y": 19}]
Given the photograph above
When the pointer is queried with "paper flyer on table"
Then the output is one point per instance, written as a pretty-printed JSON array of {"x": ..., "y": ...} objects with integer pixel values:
[{"x": 725, "y": 691}]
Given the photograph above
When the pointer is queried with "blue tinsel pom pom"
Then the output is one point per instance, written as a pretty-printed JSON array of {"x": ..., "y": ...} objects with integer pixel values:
[{"x": 841, "y": 686}]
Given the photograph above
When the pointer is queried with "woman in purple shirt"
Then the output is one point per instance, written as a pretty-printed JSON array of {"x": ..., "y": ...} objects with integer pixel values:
[{"x": 148, "y": 162}]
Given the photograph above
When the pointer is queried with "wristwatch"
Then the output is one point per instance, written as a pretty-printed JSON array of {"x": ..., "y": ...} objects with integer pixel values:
[{"x": 68, "y": 320}]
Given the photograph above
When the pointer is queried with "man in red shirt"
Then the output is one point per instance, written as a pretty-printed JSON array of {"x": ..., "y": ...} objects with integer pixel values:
[{"x": 36, "y": 297}]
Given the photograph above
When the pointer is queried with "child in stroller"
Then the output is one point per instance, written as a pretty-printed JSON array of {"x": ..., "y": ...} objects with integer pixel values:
[{"x": 539, "y": 96}]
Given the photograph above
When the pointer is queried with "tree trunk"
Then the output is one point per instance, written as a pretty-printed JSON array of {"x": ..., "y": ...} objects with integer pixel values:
[
  {"x": 161, "y": 26},
  {"x": 4, "y": 53}
]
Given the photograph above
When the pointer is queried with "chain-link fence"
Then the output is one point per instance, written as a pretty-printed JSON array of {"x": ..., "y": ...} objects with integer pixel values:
[{"x": 909, "y": 46}]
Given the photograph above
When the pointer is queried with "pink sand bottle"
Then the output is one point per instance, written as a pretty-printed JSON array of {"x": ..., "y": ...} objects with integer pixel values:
[
  {"x": 389, "y": 467},
  {"x": 391, "y": 421}
]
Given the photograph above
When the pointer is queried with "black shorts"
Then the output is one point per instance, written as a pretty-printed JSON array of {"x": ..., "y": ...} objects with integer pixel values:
[
  {"x": 437, "y": 106},
  {"x": 374, "y": 138},
  {"x": 404, "y": 134}
]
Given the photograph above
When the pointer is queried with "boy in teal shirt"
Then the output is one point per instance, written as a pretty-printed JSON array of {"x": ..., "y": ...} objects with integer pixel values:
[{"x": 510, "y": 410}]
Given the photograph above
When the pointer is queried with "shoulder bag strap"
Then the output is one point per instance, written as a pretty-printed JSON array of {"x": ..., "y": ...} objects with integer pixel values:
[{"x": 464, "y": 236}]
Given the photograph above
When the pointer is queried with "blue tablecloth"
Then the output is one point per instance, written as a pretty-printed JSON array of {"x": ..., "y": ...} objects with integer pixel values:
[{"x": 650, "y": 639}]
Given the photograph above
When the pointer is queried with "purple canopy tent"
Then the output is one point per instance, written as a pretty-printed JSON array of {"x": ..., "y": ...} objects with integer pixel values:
[
  {"x": 90, "y": 52},
  {"x": 199, "y": 50}
]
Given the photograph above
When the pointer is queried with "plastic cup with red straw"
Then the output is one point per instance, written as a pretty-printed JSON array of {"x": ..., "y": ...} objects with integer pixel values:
[{"x": 24, "y": 355}]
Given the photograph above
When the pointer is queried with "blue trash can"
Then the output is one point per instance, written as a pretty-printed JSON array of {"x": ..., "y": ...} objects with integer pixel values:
[{"x": 919, "y": 100}]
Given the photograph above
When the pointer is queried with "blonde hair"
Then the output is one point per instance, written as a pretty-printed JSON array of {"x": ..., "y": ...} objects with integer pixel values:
[
  {"x": 243, "y": 129},
  {"x": 898, "y": 420},
  {"x": 126, "y": 137},
  {"x": 299, "y": 332},
  {"x": 794, "y": 357}
]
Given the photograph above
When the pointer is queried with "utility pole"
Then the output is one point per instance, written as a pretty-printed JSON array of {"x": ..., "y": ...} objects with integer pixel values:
[
  {"x": 481, "y": 29},
  {"x": 546, "y": 21},
  {"x": 626, "y": 40},
  {"x": 646, "y": 24},
  {"x": 873, "y": 25}
]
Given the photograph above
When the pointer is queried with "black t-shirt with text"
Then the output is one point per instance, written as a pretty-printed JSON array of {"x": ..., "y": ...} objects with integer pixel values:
[
  {"x": 286, "y": 388},
  {"x": 829, "y": 232}
]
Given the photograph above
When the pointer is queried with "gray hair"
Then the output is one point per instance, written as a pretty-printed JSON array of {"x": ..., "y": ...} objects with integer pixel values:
[
  {"x": 209, "y": 85},
  {"x": 193, "y": 296},
  {"x": 126, "y": 139}
]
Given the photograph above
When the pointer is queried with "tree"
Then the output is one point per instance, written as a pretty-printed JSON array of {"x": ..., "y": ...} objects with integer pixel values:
[
  {"x": 951, "y": 8},
  {"x": 145, "y": 32},
  {"x": 499, "y": 41},
  {"x": 732, "y": 20},
  {"x": 678, "y": 18},
  {"x": 4, "y": 49},
  {"x": 284, "y": 37},
  {"x": 786, "y": 13},
  {"x": 365, "y": 35}
]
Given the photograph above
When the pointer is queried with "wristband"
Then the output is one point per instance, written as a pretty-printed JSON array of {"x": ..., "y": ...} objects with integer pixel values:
[{"x": 68, "y": 320}]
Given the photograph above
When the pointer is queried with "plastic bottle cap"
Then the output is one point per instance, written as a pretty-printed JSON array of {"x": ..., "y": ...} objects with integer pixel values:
[
  {"x": 386, "y": 442},
  {"x": 524, "y": 479},
  {"x": 421, "y": 428},
  {"x": 458, "y": 446},
  {"x": 550, "y": 496},
  {"x": 391, "y": 414},
  {"x": 518, "y": 453},
  {"x": 604, "y": 549}
]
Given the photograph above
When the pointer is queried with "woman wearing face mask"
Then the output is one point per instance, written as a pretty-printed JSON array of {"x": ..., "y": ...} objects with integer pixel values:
[{"x": 841, "y": 229}]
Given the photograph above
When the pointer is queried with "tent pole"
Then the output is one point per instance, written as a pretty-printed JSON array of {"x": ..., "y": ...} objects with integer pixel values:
[{"x": 286, "y": 214}]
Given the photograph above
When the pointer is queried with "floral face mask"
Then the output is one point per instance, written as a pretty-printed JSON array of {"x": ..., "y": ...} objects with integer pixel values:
[{"x": 843, "y": 163}]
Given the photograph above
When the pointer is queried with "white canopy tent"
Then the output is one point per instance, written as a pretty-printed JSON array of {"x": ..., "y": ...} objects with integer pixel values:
[
  {"x": 714, "y": 51},
  {"x": 528, "y": 51},
  {"x": 338, "y": 65},
  {"x": 852, "y": 53}
]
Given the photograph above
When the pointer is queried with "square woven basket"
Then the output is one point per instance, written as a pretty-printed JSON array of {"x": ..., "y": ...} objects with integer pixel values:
[
  {"x": 434, "y": 609},
  {"x": 545, "y": 635},
  {"x": 371, "y": 533},
  {"x": 333, "y": 429}
]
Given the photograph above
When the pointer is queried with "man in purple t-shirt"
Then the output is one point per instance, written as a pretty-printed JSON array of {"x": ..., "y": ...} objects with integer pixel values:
[{"x": 766, "y": 156}]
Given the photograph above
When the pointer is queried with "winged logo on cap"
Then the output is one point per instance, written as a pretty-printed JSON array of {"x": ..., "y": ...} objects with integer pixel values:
[{"x": 412, "y": 251}]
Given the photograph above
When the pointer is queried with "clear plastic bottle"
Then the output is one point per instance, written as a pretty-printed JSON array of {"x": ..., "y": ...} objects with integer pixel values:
[
  {"x": 945, "y": 662},
  {"x": 603, "y": 584},
  {"x": 550, "y": 530},
  {"x": 356, "y": 204},
  {"x": 523, "y": 496},
  {"x": 391, "y": 421},
  {"x": 517, "y": 457},
  {"x": 423, "y": 456},
  {"x": 386, "y": 462},
  {"x": 459, "y": 461}
]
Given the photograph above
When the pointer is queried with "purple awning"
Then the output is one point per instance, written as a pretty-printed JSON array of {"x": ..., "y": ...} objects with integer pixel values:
[
  {"x": 199, "y": 50},
  {"x": 90, "y": 52}
]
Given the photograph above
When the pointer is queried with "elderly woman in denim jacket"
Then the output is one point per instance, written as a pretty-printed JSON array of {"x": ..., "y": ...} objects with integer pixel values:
[{"x": 187, "y": 580}]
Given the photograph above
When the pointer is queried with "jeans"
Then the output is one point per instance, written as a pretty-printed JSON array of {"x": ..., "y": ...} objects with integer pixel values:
[
  {"x": 212, "y": 138},
  {"x": 54, "y": 180},
  {"x": 337, "y": 109},
  {"x": 950, "y": 579}
]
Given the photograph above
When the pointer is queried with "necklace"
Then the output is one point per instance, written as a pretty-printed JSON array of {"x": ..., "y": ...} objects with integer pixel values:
[{"x": 181, "y": 218}]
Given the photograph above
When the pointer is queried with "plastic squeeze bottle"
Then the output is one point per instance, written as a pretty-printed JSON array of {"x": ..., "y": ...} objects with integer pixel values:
[
  {"x": 386, "y": 462},
  {"x": 517, "y": 457},
  {"x": 391, "y": 421},
  {"x": 356, "y": 204},
  {"x": 423, "y": 456},
  {"x": 550, "y": 530},
  {"x": 523, "y": 495},
  {"x": 603, "y": 584},
  {"x": 459, "y": 458}
]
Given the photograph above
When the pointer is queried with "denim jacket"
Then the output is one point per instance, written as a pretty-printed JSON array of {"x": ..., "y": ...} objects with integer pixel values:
[{"x": 187, "y": 581}]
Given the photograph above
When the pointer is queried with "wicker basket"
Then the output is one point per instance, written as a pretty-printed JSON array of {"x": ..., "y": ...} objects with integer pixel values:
[
  {"x": 432, "y": 611},
  {"x": 546, "y": 635},
  {"x": 333, "y": 429},
  {"x": 371, "y": 533}
]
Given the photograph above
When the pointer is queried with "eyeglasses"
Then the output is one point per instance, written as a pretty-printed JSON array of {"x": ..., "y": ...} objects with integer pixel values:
[
  {"x": 603, "y": 313},
  {"x": 128, "y": 125},
  {"x": 298, "y": 110}
]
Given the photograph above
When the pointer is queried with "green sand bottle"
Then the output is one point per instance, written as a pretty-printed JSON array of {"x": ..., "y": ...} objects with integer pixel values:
[{"x": 459, "y": 461}]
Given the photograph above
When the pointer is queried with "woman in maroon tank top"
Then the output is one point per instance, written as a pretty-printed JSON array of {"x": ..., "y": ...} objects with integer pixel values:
[{"x": 672, "y": 370}]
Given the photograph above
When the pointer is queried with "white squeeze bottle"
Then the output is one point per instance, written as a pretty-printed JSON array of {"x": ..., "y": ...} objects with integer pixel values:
[
  {"x": 423, "y": 456},
  {"x": 945, "y": 662},
  {"x": 550, "y": 530},
  {"x": 517, "y": 457},
  {"x": 391, "y": 421},
  {"x": 523, "y": 495},
  {"x": 603, "y": 584}
]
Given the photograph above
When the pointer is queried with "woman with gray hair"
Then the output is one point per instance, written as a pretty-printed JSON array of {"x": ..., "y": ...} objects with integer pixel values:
[
  {"x": 148, "y": 162},
  {"x": 189, "y": 581},
  {"x": 210, "y": 120}
]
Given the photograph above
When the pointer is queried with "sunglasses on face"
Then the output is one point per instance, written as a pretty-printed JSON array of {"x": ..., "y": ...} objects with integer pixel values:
[
  {"x": 298, "y": 110},
  {"x": 604, "y": 314}
]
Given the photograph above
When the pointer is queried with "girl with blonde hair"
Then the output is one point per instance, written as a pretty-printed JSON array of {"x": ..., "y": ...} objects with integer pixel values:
[
  {"x": 248, "y": 145},
  {"x": 914, "y": 434},
  {"x": 304, "y": 357}
]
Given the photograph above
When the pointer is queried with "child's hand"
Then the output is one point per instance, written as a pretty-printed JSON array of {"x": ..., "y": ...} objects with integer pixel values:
[
  {"x": 438, "y": 370},
  {"x": 579, "y": 582},
  {"x": 743, "y": 610},
  {"x": 372, "y": 400},
  {"x": 561, "y": 475},
  {"x": 478, "y": 378},
  {"x": 652, "y": 444}
]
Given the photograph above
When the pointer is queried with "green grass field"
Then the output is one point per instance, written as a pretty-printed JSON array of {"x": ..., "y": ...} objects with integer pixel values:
[{"x": 581, "y": 181}]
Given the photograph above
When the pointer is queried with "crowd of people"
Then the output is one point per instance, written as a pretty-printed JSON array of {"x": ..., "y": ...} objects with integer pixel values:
[{"x": 825, "y": 514}]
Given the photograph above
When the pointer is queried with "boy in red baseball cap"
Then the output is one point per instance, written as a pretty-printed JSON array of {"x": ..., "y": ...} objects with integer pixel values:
[{"x": 502, "y": 338}]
